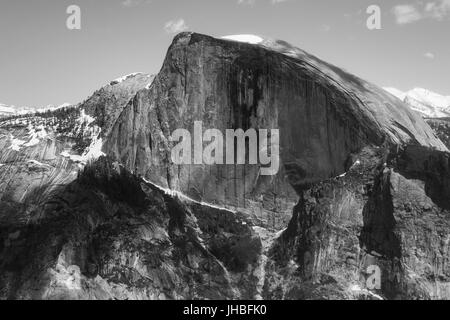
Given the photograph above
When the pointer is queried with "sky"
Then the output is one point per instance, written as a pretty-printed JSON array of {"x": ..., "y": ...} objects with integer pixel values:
[{"x": 43, "y": 62}]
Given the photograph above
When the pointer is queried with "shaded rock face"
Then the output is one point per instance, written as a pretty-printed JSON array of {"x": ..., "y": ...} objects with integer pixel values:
[
  {"x": 323, "y": 114},
  {"x": 441, "y": 128},
  {"x": 319, "y": 255},
  {"x": 109, "y": 235},
  {"x": 389, "y": 211},
  {"x": 408, "y": 223}
]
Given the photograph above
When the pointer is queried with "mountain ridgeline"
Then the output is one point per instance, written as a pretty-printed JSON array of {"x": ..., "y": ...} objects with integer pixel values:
[{"x": 92, "y": 206}]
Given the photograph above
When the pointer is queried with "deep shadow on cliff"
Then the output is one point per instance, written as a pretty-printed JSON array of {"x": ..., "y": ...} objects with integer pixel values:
[
  {"x": 390, "y": 211},
  {"x": 110, "y": 235}
]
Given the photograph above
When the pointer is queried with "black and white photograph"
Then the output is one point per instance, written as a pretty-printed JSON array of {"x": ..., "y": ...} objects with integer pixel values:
[{"x": 223, "y": 155}]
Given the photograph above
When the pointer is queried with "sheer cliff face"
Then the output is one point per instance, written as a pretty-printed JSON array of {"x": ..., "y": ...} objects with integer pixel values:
[
  {"x": 106, "y": 104},
  {"x": 442, "y": 129},
  {"x": 323, "y": 114}
]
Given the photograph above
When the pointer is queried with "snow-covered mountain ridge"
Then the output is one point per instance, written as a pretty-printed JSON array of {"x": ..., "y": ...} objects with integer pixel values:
[
  {"x": 429, "y": 104},
  {"x": 9, "y": 110}
]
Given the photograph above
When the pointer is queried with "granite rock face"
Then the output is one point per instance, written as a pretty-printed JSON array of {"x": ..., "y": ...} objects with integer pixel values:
[
  {"x": 407, "y": 221},
  {"x": 92, "y": 206},
  {"x": 390, "y": 211},
  {"x": 441, "y": 127},
  {"x": 107, "y": 103},
  {"x": 109, "y": 235},
  {"x": 41, "y": 151},
  {"x": 323, "y": 113}
]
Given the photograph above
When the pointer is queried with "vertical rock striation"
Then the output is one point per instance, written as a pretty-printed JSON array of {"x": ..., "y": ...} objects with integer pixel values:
[{"x": 323, "y": 113}]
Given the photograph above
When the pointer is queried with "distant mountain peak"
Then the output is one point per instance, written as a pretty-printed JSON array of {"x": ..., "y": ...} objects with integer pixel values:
[
  {"x": 428, "y": 103},
  {"x": 10, "y": 110},
  {"x": 6, "y": 110}
]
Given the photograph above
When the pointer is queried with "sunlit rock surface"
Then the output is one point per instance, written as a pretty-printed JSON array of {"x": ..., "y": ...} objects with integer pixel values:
[
  {"x": 41, "y": 151},
  {"x": 324, "y": 115}
]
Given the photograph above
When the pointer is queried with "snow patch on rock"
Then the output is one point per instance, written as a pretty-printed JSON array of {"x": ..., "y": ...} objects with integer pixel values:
[
  {"x": 358, "y": 290},
  {"x": 178, "y": 194},
  {"x": 35, "y": 135},
  {"x": 85, "y": 118},
  {"x": 86, "y": 128},
  {"x": 93, "y": 152},
  {"x": 246, "y": 38},
  {"x": 37, "y": 163},
  {"x": 16, "y": 144},
  {"x": 123, "y": 78}
]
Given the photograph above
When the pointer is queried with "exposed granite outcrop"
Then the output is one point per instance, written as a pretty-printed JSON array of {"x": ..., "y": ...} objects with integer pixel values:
[
  {"x": 390, "y": 211},
  {"x": 441, "y": 128},
  {"x": 324, "y": 115}
]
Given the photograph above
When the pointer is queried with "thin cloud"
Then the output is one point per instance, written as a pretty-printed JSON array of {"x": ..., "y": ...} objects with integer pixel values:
[
  {"x": 437, "y": 10},
  {"x": 252, "y": 2},
  {"x": 175, "y": 26},
  {"x": 134, "y": 3},
  {"x": 405, "y": 14},
  {"x": 429, "y": 55},
  {"x": 247, "y": 2},
  {"x": 326, "y": 28},
  {"x": 278, "y": 1}
]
